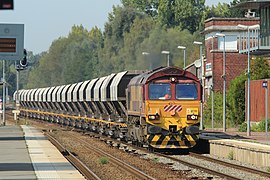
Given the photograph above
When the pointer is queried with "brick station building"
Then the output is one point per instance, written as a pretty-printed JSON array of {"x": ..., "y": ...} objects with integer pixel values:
[{"x": 236, "y": 63}]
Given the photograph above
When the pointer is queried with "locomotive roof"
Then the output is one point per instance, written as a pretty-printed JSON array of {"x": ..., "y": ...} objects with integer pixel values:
[{"x": 162, "y": 71}]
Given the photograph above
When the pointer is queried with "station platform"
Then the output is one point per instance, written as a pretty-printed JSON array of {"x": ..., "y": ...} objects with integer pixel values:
[
  {"x": 25, "y": 153},
  {"x": 253, "y": 149}
]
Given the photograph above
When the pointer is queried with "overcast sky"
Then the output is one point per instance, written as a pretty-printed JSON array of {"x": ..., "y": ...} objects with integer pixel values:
[{"x": 45, "y": 21}]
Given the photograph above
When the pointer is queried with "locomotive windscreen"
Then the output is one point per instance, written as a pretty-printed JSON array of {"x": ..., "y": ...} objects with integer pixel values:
[
  {"x": 186, "y": 91},
  {"x": 159, "y": 91}
]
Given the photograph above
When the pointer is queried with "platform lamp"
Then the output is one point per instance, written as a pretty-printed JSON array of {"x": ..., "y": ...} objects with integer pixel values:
[
  {"x": 202, "y": 81},
  {"x": 145, "y": 54},
  {"x": 224, "y": 80},
  {"x": 248, "y": 28},
  {"x": 184, "y": 48},
  {"x": 168, "y": 56}
]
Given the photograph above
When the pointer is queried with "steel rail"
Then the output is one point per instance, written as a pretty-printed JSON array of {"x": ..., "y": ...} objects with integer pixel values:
[
  {"x": 86, "y": 172},
  {"x": 243, "y": 168},
  {"x": 136, "y": 172},
  {"x": 210, "y": 171}
]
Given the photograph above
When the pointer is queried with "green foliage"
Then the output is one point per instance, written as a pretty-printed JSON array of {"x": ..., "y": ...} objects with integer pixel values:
[
  {"x": 224, "y": 10},
  {"x": 259, "y": 70},
  {"x": 243, "y": 127},
  {"x": 137, "y": 26},
  {"x": 155, "y": 160},
  {"x": 149, "y": 7},
  {"x": 218, "y": 111},
  {"x": 182, "y": 14},
  {"x": 70, "y": 59},
  {"x": 260, "y": 127},
  {"x": 103, "y": 160},
  {"x": 230, "y": 155},
  {"x": 236, "y": 100}
]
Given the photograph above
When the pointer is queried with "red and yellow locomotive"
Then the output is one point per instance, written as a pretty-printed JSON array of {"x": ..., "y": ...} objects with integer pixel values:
[
  {"x": 158, "y": 108},
  {"x": 164, "y": 108}
]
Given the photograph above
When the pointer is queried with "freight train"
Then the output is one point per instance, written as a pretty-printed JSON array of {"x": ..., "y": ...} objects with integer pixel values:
[{"x": 158, "y": 108}]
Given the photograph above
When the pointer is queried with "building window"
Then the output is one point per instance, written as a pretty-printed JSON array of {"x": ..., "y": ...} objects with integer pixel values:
[
  {"x": 265, "y": 25},
  {"x": 230, "y": 42},
  {"x": 208, "y": 66}
]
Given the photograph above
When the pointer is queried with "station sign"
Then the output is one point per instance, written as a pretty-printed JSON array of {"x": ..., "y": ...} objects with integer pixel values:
[
  {"x": 6, "y": 4},
  {"x": 264, "y": 84},
  {"x": 11, "y": 41}
]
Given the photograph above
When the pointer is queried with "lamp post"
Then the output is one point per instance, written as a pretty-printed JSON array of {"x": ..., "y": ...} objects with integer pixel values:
[
  {"x": 212, "y": 105},
  {"x": 265, "y": 85},
  {"x": 202, "y": 81},
  {"x": 4, "y": 94},
  {"x": 248, "y": 74},
  {"x": 224, "y": 81},
  {"x": 184, "y": 48},
  {"x": 168, "y": 56},
  {"x": 145, "y": 54}
]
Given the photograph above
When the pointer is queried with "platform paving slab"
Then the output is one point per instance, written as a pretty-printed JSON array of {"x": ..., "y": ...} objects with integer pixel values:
[
  {"x": 15, "y": 162},
  {"x": 47, "y": 161}
]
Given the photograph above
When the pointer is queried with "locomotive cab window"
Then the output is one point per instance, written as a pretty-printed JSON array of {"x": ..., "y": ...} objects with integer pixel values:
[
  {"x": 186, "y": 91},
  {"x": 160, "y": 91}
]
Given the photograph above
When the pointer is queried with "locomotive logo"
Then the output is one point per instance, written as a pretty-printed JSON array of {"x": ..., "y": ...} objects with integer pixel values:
[{"x": 176, "y": 108}]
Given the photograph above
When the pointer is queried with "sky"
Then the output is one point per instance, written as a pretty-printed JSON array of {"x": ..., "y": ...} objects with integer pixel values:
[{"x": 46, "y": 21}]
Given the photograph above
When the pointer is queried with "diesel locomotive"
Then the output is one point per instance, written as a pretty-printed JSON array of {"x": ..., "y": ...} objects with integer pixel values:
[{"x": 158, "y": 108}]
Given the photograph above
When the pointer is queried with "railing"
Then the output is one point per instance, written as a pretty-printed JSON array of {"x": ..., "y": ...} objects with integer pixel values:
[
  {"x": 251, "y": 36},
  {"x": 258, "y": 44}
]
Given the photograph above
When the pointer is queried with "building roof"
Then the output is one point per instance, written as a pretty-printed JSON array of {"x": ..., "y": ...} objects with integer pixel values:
[
  {"x": 255, "y": 4},
  {"x": 228, "y": 24}
]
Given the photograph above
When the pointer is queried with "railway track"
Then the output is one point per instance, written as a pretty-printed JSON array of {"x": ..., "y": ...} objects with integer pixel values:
[
  {"x": 192, "y": 165},
  {"x": 79, "y": 165},
  {"x": 134, "y": 171},
  {"x": 86, "y": 172},
  {"x": 235, "y": 166},
  {"x": 210, "y": 159}
]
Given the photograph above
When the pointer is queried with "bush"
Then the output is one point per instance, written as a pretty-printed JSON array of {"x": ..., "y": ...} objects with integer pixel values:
[
  {"x": 236, "y": 100},
  {"x": 218, "y": 111},
  {"x": 243, "y": 127},
  {"x": 103, "y": 160},
  {"x": 260, "y": 127}
]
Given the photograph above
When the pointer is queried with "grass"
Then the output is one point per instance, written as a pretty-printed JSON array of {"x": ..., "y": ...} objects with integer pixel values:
[
  {"x": 103, "y": 160},
  {"x": 268, "y": 169},
  {"x": 155, "y": 160},
  {"x": 230, "y": 155}
]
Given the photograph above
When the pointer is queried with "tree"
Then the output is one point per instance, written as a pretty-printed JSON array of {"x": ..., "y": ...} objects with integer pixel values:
[
  {"x": 149, "y": 7},
  {"x": 225, "y": 10},
  {"x": 184, "y": 14},
  {"x": 259, "y": 68},
  {"x": 120, "y": 22}
]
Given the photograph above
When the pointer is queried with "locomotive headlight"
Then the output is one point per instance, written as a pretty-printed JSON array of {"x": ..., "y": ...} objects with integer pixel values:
[
  {"x": 192, "y": 117},
  {"x": 154, "y": 117},
  {"x": 173, "y": 79}
]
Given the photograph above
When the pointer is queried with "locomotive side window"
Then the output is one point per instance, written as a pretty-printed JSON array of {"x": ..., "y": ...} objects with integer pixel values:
[
  {"x": 160, "y": 91},
  {"x": 186, "y": 91}
]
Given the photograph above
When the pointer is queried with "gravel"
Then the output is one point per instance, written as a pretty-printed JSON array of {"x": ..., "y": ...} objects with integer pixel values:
[{"x": 157, "y": 167}]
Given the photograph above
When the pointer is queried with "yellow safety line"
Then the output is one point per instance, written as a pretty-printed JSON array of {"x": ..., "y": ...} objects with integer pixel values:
[{"x": 76, "y": 117}]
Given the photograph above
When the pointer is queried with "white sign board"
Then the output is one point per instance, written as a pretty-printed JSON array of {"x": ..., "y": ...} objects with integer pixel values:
[{"x": 11, "y": 41}]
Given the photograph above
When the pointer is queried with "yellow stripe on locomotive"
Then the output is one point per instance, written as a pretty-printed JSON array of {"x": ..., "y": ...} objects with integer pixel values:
[
  {"x": 169, "y": 121},
  {"x": 171, "y": 107}
]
